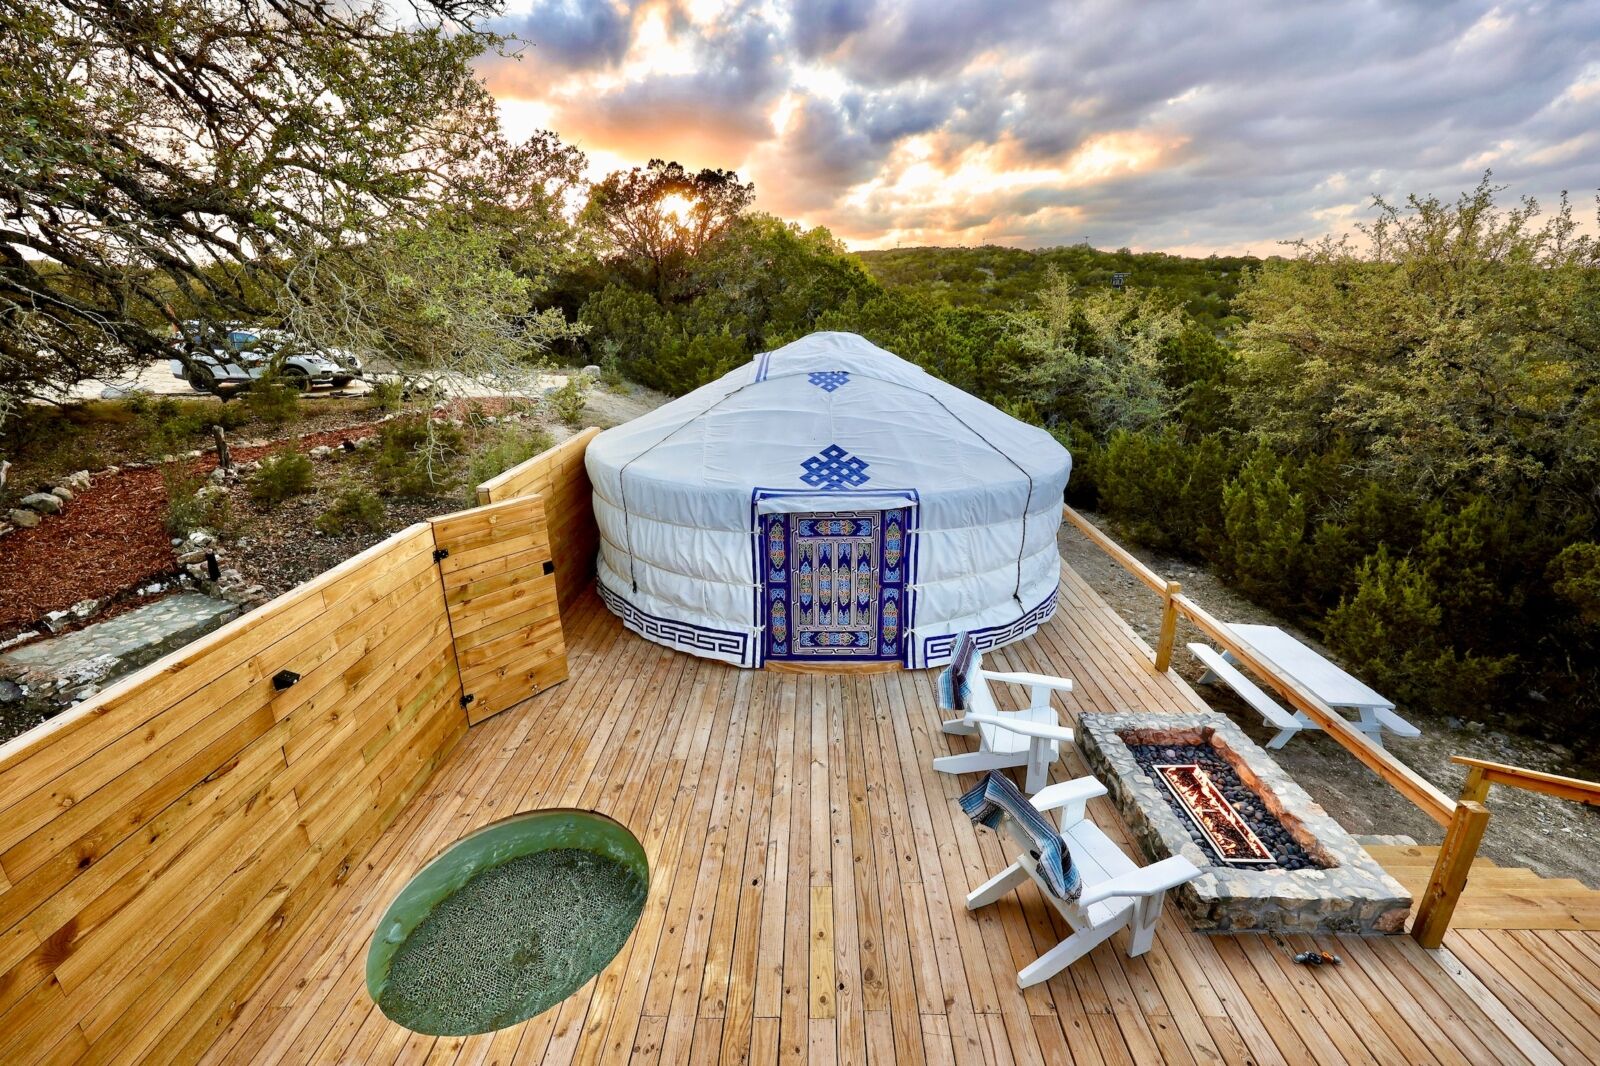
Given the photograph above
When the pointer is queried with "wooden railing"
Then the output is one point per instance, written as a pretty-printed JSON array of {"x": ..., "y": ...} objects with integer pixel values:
[
  {"x": 1464, "y": 820},
  {"x": 1466, "y": 832},
  {"x": 1482, "y": 773}
]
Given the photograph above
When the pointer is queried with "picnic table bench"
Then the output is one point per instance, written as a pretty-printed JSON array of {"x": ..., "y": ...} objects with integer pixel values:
[{"x": 1315, "y": 673}]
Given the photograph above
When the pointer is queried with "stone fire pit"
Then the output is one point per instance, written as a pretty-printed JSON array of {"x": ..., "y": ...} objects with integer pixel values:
[{"x": 1346, "y": 891}]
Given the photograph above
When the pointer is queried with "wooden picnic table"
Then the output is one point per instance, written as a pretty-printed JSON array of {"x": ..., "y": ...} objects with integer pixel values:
[{"x": 1323, "y": 679}]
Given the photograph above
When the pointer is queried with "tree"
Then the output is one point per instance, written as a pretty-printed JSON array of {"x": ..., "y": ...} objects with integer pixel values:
[
  {"x": 455, "y": 297},
  {"x": 1458, "y": 351},
  {"x": 659, "y": 217},
  {"x": 1098, "y": 357},
  {"x": 170, "y": 158}
]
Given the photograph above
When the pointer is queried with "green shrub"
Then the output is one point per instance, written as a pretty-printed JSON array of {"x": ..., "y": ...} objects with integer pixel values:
[
  {"x": 1348, "y": 531},
  {"x": 187, "y": 512},
  {"x": 354, "y": 508},
  {"x": 1389, "y": 631},
  {"x": 1166, "y": 492},
  {"x": 1574, "y": 575},
  {"x": 569, "y": 401},
  {"x": 611, "y": 375},
  {"x": 507, "y": 447},
  {"x": 416, "y": 456},
  {"x": 1263, "y": 526},
  {"x": 272, "y": 400},
  {"x": 386, "y": 395},
  {"x": 282, "y": 475}
]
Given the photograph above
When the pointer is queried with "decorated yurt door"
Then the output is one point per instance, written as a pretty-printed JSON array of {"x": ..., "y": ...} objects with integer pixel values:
[{"x": 834, "y": 586}]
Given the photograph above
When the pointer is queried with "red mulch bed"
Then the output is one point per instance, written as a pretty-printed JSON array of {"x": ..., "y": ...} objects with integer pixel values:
[{"x": 108, "y": 540}]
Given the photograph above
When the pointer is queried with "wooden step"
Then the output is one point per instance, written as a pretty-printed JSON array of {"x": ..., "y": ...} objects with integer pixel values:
[{"x": 1498, "y": 897}]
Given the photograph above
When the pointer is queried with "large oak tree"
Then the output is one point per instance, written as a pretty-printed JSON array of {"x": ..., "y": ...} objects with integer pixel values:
[{"x": 161, "y": 159}]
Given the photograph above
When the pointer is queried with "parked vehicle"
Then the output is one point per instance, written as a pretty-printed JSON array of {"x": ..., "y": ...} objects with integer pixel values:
[{"x": 228, "y": 356}]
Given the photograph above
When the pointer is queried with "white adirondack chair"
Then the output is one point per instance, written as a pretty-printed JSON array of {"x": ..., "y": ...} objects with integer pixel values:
[
  {"x": 1031, "y": 737},
  {"x": 1116, "y": 890}
]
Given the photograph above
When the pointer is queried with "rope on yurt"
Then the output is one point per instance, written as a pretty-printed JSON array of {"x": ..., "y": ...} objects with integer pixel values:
[{"x": 1022, "y": 546}]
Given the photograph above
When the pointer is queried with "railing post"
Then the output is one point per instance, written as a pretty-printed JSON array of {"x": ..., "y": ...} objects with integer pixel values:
[
  {"x": 1450, "y": 872},
  {"x": 1169, "y": 626},
  {"x": 1476, "y": 786}
]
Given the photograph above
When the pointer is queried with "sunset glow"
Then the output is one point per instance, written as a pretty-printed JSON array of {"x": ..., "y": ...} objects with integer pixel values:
[{"x": 1221, "y": 126}]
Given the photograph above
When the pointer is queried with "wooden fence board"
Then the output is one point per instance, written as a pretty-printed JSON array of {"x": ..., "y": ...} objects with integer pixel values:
[{"x": 559, "y": 476}]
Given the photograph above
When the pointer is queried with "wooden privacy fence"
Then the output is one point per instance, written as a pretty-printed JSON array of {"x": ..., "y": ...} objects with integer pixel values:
[
  {"x": 1464, "y": 820},
  {"x": 559, "y": 476},
  {"x": 160, "y": 842}
]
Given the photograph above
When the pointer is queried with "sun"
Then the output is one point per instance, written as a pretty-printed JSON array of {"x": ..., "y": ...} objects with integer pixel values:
[{"x": 676, "y": 206}]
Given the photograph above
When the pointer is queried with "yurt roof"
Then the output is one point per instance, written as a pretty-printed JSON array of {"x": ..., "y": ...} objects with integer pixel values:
[{"x": 830, "y": 412}]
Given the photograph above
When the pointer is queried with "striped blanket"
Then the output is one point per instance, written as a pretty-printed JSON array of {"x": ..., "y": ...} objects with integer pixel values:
[
  {"x": 995, "y": 797},
  {"x": 955, "y": 681}
]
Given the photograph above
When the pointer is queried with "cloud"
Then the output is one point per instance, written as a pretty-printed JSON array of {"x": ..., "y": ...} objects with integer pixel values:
[{"x": 1225, "y": 123}]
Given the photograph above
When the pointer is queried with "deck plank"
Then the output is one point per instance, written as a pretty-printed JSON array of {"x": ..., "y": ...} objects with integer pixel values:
[{"x": 808, "y": 877}]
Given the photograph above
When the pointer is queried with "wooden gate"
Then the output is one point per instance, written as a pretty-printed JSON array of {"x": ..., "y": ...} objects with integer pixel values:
[{"x": 500, "y": 591}]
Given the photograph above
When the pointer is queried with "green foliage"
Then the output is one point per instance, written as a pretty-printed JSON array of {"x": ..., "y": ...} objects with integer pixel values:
[
  {"x": 657, "y": 219},
  {"x": 996, "y": 278},
  {"x": 1263, "y": 526},
  {"x": 1456, "y": 355},
  {"x": 282, "y": 475},
  {"x": 943, "y": 340},
  {"x": 272, "y": 400},
  {"x": 175, "y": 426},
  {"x": 1163, "y": 491},
  {"x": 354, "y": 508},
  {"x": 1389, "y": 631},
  {"x": 569, "y": 401},
  {"x": 189, "y": 509},
  {"x": 417, "y": 457},
  {"x": 1098, "y": 358},
  {"x": 216, "y": 138},
  {"x": 1575, "y": 576},
  {"x": 387, "y": 395},
  {"x": 508, "y": 446},
  {"x": 611, "y": 375}
]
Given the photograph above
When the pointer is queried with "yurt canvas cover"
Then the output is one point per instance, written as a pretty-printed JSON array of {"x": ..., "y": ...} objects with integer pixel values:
[{"x": 828, "y": 501}]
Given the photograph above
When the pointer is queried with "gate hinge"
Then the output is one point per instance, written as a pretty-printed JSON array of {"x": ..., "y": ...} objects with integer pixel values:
[
  {"x": 466, "y": 699},
  {"x": 440, "y": 553}
]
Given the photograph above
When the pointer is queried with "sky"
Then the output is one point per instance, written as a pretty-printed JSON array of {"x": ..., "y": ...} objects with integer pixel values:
[{"x": 1195, "y": 127}]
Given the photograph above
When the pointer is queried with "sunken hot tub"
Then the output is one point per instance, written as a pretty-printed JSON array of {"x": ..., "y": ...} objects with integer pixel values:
[{"x": 1270, "y": 858}]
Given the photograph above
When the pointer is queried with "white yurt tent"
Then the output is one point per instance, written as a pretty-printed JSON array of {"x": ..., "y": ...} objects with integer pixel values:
[{"x": 828, "y": 502}]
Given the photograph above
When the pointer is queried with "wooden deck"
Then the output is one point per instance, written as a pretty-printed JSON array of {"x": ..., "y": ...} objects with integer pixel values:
[{"x": 808, "y": 869}]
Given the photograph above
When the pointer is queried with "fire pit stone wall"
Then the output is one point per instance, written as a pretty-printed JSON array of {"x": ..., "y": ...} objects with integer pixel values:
[{"x": 1351, "y": 894}]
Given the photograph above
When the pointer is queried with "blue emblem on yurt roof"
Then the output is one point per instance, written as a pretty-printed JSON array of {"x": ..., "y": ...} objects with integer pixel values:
[
  {"x": 834, "y": 468},
  {"x": 828, "y": 380}
]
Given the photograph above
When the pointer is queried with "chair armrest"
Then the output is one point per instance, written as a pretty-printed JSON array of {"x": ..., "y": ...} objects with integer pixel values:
[
  {"x": 1060, "y": 684},
  {"x": 1075, "y": 793},
  {"x": 1025, "y": 728},
  {"x": 1145, "y": 881}
]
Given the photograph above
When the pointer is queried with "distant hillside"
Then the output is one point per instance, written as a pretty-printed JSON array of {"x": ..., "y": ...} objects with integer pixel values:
[{"x": 997, "y": 277}]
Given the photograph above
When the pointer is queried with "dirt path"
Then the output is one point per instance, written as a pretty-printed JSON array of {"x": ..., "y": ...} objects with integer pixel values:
[{"x": 1550, "y": 836}]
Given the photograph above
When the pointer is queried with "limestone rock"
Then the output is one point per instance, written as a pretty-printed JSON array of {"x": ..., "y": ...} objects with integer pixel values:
[
  {"x": 42, "y": 502},
  {"x": 23, "y": 519},
  {"x": 322, "y": 451},
  {"x": 62, "y": 493},
  {"x": 80, "y": 479}
]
